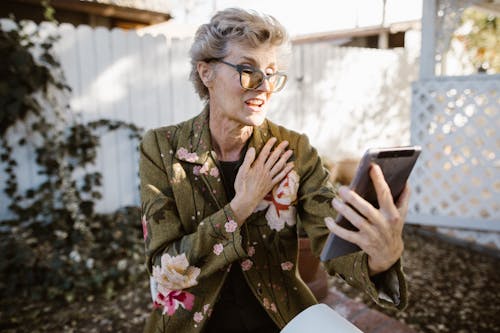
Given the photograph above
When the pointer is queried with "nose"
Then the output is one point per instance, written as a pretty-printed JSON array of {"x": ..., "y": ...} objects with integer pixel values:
[{"x": 265, "y": 85}]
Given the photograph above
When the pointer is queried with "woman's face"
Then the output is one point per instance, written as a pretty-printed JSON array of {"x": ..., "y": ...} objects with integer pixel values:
[{"x": 228, "y": 99}]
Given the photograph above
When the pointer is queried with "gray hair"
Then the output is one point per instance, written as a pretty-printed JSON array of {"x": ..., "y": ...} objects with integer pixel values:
[{"x": 247, "y": 28}]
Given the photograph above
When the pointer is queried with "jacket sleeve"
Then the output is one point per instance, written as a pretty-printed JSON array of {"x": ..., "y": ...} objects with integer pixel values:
[
  {"x": 387, "y": 289},
  {"x": 210, "y": 245}
]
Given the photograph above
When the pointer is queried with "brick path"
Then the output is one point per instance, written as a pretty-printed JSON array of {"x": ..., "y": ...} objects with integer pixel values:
[{"x": 366, "y": 319}]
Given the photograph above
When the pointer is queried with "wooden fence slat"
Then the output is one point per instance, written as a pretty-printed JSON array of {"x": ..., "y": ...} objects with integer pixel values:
[
  {"x": 124, "y": 147},
  {"x": 186, "y": 104},
  {"x": 163, "y": 89},
  {"x": 105, "y": 90}
]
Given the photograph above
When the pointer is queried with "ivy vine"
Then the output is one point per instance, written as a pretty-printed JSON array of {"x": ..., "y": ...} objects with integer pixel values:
[{"x": 56, "y": 245}]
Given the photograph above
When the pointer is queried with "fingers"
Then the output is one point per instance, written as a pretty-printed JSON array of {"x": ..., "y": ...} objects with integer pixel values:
[
  {"x": 404, "y": 198},
  {"x": 266, "y": 150},
  {"x": 350, "y": 214},
  {"x": 279, "y": 177},
  {"x": 384, "y": 195},
  {"x": 282, "y": 162},
  {"x": 275, "y": 155},
  {"x": 350, "y": 236},
  {"x": 249, "y": 158},
  {"x": 364, "y": 207},
  {"x": 383, "y": 191},
  {"x": 403, "y": 201},
  {"x": 274, "y": 161}
]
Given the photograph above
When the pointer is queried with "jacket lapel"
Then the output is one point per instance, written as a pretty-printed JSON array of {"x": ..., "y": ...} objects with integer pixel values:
[
  {"x": 259, "y": 137},
  {"x": 195, "y": 149}
]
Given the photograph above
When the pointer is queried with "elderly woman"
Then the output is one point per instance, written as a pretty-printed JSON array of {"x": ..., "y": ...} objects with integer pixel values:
[{"x": 222, "y": 194}]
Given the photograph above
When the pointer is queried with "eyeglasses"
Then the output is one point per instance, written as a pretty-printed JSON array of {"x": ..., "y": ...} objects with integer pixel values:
[{"x": 251, "y": 78}]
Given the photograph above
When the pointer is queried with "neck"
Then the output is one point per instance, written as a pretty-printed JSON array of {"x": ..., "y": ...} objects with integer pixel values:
[{"x": 228, "y": 137}]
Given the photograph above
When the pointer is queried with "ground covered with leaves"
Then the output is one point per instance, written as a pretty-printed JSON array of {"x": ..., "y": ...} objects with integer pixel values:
[{"x": 452, "y": 289}]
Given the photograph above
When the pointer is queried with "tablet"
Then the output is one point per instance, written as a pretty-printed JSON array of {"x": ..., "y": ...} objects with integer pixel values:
[{"x": 396, "y": 164}]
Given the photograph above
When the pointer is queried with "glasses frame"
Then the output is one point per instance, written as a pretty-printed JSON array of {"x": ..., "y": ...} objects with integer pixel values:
[{"x": 241, "y": 68}]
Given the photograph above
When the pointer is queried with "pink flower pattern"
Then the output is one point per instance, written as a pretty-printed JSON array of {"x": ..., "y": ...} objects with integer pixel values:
[
  {"x": 214, "y": 172},
  {"x": 183, "y": 154},
  {"x": 198, "y": 317},
  {"x": 204, "y": 169},
  {"x": 246, "y": 264},
  {"x": 172, "y": 276},
  {"x": 218, "y": 248},
  {"x": 172, "y": 300},
  {"x": 231, "y": 226},
  {"x": 287, "y": 266}
]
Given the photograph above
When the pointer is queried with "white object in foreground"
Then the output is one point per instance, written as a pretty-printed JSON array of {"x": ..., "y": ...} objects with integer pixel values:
[{"x": 319, "y": 318}]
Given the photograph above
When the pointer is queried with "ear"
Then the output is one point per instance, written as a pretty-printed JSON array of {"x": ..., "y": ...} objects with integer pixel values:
[{"x": 206, "y": 73}]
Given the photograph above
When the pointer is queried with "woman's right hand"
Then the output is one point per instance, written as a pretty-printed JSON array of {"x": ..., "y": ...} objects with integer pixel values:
[{"x": 257, "y": 177}]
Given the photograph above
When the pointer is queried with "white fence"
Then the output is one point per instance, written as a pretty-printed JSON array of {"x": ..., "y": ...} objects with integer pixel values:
[{"x": 344, "y": 99}]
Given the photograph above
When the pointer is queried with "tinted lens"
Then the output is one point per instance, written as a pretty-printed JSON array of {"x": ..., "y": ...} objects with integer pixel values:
[
  {"x": 277, "y": 81},
  {"x": 251, "y": 79}
]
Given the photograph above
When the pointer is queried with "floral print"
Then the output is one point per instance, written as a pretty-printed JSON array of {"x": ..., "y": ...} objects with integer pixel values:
[
  {"x": 198, "y": 317},
  {"x": 287, "y": 266},
  {"x": 204, "y": 170},
  {"x": 171, "y": 277},
  {"x": 218, "y": 248},
  {"x": 175, "y": 273},
  {"x": 231, "y": 226},
  {"x": 172, "y": 300},
  {"x": 183, "y": 154},
  {"x": 268, "y": 305},
  {"x": 214, "y": 172},
  {"x": 251, "y": 251},
  {"x": 246, "y": 264},
  {"x": 280, "y": 202}
]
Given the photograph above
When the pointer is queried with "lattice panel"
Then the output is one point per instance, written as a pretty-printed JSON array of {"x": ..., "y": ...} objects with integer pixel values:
[{"x": 456, "y": 182}]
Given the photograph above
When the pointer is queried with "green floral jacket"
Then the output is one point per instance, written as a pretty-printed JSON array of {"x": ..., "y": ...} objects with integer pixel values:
[{"x": 192, "y": 239}]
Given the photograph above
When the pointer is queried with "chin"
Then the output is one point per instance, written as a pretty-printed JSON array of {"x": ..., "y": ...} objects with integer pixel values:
[{"x": 256, "y": 119}]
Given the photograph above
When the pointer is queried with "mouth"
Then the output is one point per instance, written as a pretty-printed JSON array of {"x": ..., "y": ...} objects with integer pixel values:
[{"x": 255, "y": 103}]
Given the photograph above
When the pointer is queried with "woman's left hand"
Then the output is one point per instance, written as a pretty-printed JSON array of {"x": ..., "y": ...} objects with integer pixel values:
[{"x": 380, "y": 230}]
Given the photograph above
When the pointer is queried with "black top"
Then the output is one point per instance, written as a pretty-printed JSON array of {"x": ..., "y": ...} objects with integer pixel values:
[{"x": 237, "y": 310}]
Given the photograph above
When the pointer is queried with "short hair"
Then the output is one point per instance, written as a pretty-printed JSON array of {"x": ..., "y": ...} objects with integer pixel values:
[{"x": 245, "y": 27}]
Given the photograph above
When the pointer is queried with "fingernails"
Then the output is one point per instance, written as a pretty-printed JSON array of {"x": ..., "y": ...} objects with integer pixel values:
[
  {"x": 336, "y": 203},
  {"x": 343, "y": 191},
  {"x": 376, "y": 168},
  {"x": 330, "y": 223}
]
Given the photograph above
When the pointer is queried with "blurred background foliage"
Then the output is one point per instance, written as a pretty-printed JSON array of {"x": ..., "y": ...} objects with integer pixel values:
[
  {"x": 56, "y": 246},
  {"x": 480, "y": 33}
]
